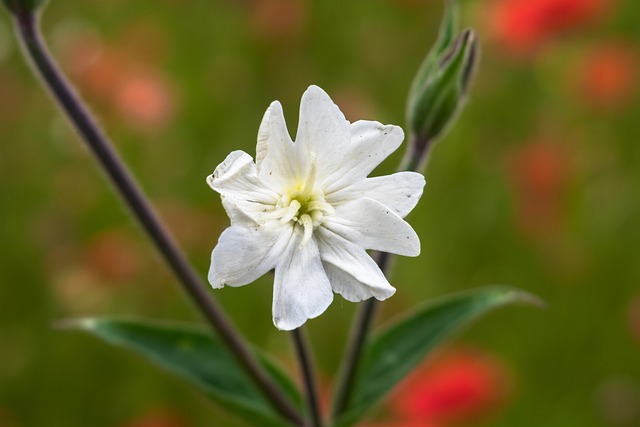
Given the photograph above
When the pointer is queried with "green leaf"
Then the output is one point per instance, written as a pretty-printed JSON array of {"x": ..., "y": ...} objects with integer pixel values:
[
  {"x": 199, "y": 357},
  {"x": 394, "y": 353}
]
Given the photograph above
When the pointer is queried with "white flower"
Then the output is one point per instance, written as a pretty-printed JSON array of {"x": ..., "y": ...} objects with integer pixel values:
[{"x": 308, "y": 210}]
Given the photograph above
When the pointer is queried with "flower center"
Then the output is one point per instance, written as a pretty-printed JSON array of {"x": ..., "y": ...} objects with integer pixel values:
[{"x": 301, "y": 207}]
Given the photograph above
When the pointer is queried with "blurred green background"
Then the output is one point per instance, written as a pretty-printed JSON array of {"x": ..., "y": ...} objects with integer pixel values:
[{"x": 535, "y": 186}]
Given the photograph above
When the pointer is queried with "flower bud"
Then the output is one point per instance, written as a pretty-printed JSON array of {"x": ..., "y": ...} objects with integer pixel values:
[{"x": 441, "y": 83}]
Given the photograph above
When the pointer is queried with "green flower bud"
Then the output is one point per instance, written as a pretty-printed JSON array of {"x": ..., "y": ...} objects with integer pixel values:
[{"x": 441, "y": 84}]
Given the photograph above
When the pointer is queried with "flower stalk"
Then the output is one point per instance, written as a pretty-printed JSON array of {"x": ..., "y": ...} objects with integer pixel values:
[
  {"x": 357, "y": 338},
  {"x": 306, "y": 367},
  {"x": 26, "y": 22},
  {"x": 436, "y": 96}
]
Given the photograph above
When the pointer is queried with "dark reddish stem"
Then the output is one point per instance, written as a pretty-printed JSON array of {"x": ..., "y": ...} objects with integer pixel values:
[{"x": 28, "y": 32}]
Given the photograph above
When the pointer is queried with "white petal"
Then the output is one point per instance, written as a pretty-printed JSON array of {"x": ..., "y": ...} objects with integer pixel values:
[
  {"x": 372, "y": 225},
  {"x": 243, "y": 254},
  {"x": 276, "y": 156},
  {"x": 323, "y": 132},
  {"x": 351, "y": 288},
  {"x": 238, "y": 184},
  {"x": 400, "y": 191},
  {"x": 370, "y": 143},
  {"x": 351, "y": 271},
  {"x": 236, "y": 211},
  {"x": 301, "y": 289}
]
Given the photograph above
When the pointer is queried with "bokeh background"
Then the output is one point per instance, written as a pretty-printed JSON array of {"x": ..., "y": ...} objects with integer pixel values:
[{"x": 535, "y": 186}]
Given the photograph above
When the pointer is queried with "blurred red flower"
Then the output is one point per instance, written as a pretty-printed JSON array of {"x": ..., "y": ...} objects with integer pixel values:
[
  {"x": 538, "y": 172},
  {"x": 607, "y": 75},
  {"x": 278, "y": 21},
  {"x": 143, "y": 98},
  {"x": 523, "y": 26},
  {"x": 191, "y": 226},
  {"x": 6, "y": 418},
  {"x": 114, "y": 256},
  {"x": 138, "y": 92},
  {"x": 460, "y": 385},
  {"x": 402, "y": 423},
  {"x": 634, "y": 318},
  {"x": 158, "y": 418}
]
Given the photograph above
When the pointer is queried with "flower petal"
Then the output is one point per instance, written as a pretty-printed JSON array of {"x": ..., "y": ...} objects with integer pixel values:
[
  {"x": 323, "y": 132},
  {"x": 400, "y": 191},
  {"x": 371, "y": 225},
  {"x": 276, "y": 155},
  {"x": 352, "y": 289},
  {"x": 244, "y": 254},
  {"x": 351, "y": 271},
  {"x": 238, "y": 184},
  {"x": 301, "y": 289},
  {"x": 370, "y": 143}
]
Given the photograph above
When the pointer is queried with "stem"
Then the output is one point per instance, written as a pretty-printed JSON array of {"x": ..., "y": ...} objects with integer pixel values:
[
  {"x": 27, "y": 26},
  {"x": 417, "y": 154},
  {"x": 306, "y": 366},
  {"x": 357, "y": 339},
  {"x": 415, "y": 158}
]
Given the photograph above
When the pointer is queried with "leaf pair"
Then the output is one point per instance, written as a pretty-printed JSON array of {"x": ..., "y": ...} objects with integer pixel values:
[{"x": 203, "y": 360}]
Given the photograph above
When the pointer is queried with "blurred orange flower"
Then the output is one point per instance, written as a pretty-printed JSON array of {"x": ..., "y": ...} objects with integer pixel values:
[
  {"x": 634, "y": 318},
  {"x": 538, "y": 172},
  {"x": 523, "y": 26},
  {"x": 143, "y": 98},
  {"x": 114, "y": 256},
  {"x": 136, "y": 91},
  {"x": 402, "y": 423},
  {"x": 158, "y": 418},
  {"x": 278, "y": 20},
  {"x": 607, "y": 75},
  {"x": 6, "y": 418}
]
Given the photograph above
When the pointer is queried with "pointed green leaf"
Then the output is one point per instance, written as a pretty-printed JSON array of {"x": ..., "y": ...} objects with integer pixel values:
[
  {"x": 199, "y": 357},
  {"x": 394, "y": 353}
]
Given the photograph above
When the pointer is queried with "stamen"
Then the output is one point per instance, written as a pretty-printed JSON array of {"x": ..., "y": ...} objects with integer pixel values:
[
  {"x": 307, "y": 224},
  {"x": 290, "y": 212},
  {"x": 301, "y": 206},
  {"x": 316, "y": 217},
  {"x": 311, "y": 177},
  {"x": 273, "y": 214},
  {"x": 320, "y": 205}
]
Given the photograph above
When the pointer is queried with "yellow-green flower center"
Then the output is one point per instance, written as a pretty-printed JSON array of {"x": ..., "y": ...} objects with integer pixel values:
[
  {"x": 304, "y": 207},
  {"x": 301, "y": 206}
]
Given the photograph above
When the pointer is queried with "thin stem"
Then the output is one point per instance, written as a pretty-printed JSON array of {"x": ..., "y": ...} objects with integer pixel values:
[
  {"x": 306, "y": 367},
  {"x": 416, "y": 158},
  {"x": 417, "y": 155},
  {"x": 358, "y": 336},
  {"x": 27, "y": 26}
]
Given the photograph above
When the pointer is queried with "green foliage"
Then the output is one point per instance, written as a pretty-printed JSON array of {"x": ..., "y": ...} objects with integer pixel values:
[
  {"x": 395, "y": 352},
  {"x": 477, "y": 218},
  {"x": 199, "y": 357}
]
